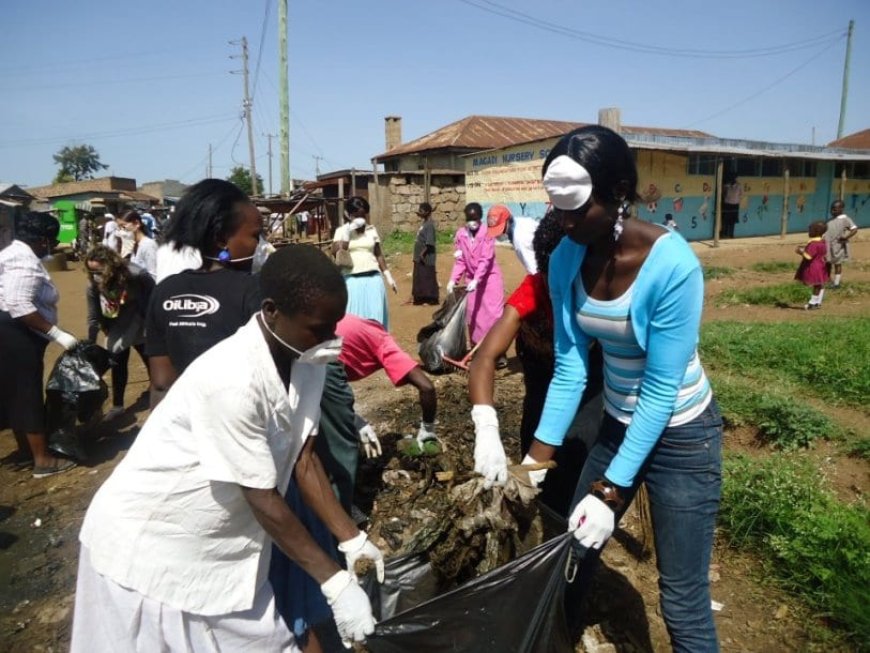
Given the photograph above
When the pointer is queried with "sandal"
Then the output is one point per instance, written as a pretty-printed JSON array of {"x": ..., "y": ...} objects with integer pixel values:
[
  {"x": 59, "y": 467},
  {"x": 18, "y": 459}
]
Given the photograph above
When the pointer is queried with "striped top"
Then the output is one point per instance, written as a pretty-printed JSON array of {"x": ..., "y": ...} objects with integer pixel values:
[{"x": 625, "y": 361}]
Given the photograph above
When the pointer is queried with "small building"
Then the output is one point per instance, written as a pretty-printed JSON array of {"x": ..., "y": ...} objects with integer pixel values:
[
  {"x": 167, "y": 192},
  {"x": 785, "y": 186},
  {"x": 13, "y": 201}
]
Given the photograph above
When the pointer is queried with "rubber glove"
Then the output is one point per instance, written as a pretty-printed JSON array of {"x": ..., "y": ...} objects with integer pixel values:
[
  {"x": 450, "y": 286},
  {"x": 391, "y": 281},
  {"x": 489, "y": 458},
  {"x": 369, "y": 439},
  {"x": 535, "y": 476},
  {"x": 592, "y": 522},
  {"x": 358, "y": 223},
  {"x": 472, "y": 286},
  {"x": 361, "y": 547},
  {"x": 351, "y": 608},
  {"x": 61, "y": 337},
  {"x": 426, "y": 432}
]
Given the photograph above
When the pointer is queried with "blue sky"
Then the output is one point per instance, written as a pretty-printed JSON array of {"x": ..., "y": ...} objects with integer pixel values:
[{"x": 147, "y": 82}]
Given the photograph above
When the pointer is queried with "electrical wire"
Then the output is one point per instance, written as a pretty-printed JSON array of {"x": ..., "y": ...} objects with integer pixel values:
[
  {"x": 527, "y": 19},
  {"x": 135, "y": 131},
  {"x": 106, "y": 82},
  {"x": 766, "y": 88},
  {"x": 214, "y": 150},
  {"x": 260, "y": 49}
]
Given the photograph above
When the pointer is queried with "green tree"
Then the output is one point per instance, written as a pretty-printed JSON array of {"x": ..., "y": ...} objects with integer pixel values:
[
  {"x": 241, "y": 177},
  {"x": 77, "y": 162}
]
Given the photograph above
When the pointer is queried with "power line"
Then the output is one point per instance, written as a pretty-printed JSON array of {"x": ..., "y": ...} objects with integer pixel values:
[
  {"x": 135, "y": 131},
  {"x": 260, "y": 49},
  {"x": 768, "y": 87},
  {"x": 106, "y": 82},
  {"x": 214, "y": 149},
  {"x": 527, "y": 19}
]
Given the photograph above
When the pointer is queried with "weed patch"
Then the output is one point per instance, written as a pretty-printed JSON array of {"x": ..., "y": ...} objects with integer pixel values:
[
  {"x": 816, "y": 546},
  {"x": 718, "y": 272},
  {"x": 774, "y": 267},
  {"x": 786, "y": 294},
  {"x": 833, "y": 368},
  {"x": 860, "y": 449},
  {"x": 401, "y": 242}
]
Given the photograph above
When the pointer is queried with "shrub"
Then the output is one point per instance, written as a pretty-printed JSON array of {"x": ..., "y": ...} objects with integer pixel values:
[{"x": 815, "y": 545}]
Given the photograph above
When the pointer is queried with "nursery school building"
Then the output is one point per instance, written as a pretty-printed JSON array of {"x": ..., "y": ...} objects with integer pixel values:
[{"x": 785, "y": 187}]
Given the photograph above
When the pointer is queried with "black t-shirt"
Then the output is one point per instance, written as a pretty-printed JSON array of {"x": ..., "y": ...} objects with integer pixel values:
[{"x": 192, "y": 311}]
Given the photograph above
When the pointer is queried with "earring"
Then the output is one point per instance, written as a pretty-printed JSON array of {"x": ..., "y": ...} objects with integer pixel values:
[
  {"x": 622, "y": 212},
  {"x": 224, "y": 255}
]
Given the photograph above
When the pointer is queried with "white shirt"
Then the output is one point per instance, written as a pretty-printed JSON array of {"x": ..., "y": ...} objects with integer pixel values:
[
  {"x": 109, "y": 230},
  {"x": 171, "y": 521},
  {"x": 733, "y": 193},
  {"x": 524, "y": 233},
  {"x": 25, "y": 286},
  {"x": 172, "y": 261},
  {"x": 145, "y": 256}
]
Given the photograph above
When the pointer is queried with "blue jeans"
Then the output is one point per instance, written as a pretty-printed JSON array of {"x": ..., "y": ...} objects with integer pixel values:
[{"x": 683, "y": 479}]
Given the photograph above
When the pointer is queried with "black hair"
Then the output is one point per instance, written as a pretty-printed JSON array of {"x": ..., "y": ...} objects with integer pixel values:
[
  {"x": 131, "y": 216},
  {"x": 33, "y": 226},
  {"x": 548, "y": 235},
  {"x": 473, "y": 207},
  {"x": 838, "y": 201},
  {"x": 207, "y": 213},
  {"x": 817, "y": 229},
  {"x": 425, "y": 207},
  {"x": 296, "y": 275},
  {"x": 357, "y": 203},
  {"x": 607, "y": 158}
]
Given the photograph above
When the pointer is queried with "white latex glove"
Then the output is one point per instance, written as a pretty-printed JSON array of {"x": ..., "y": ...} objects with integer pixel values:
[
  {"x": 450, "y": 287},
  {"x": 358, "y": 223},
  {"x": 370, "y": 442},
  {"x": 426, "y": 432},
  {"x": 391, "y": 281},
  {"x": 489, "y": 458},
  {"x": 61, "y": 337},
  {"x": 592, "y": 522},
  {"x": 361, "y": 547},
  {"x": 351, "y": 608},
  {"x": 535, "y": 476},
  {"x": 471, "y": 286}
]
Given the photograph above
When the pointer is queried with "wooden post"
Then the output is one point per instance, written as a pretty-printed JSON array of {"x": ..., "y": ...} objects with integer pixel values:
[
  {"x": 843, "y": 183},
  {"x": 717, "y": 223},
  {"x": 427, "y": 181},
  {"x": 784, "y": 226},
  {"x": 339, "y": 219}
]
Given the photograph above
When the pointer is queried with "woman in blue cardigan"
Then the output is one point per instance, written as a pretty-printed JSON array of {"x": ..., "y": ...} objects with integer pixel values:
[{"x": 637, "y": 288}]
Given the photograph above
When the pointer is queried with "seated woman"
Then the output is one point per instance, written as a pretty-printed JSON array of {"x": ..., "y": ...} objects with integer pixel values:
[{"x": 117, "y": 297}]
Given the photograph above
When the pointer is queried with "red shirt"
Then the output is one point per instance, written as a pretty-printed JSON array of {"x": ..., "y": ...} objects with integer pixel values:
[
  {"x": 532, "y": 301},
  {"x": 367, "y": 347}
]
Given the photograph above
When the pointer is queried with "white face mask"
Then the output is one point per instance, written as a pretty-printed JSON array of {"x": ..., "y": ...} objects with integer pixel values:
[
  {"x": 320, "y": 354},
  {"x": 124, "y": 234},
  {"x": 473, "y": 225},
  {"x": 264, "y": 250}
]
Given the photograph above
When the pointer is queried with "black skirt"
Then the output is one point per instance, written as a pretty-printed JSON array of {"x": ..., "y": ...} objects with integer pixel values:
[
  {"x": 22, "y": 402},
  {"x": 424, "y": 288}
]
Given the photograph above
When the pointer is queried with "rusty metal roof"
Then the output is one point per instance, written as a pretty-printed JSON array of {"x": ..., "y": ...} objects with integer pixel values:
[
  {"x": 476, "y": 133},
  {"x": 857, "y": 141}
]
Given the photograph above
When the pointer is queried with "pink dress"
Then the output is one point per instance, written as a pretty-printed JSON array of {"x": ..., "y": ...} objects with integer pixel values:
[
  {"x": 476, "y": 260},
  {"x": 812, "y": 271}
]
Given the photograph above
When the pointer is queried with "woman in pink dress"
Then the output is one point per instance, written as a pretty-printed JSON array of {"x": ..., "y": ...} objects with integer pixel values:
[
  {"x": 475, "y": 261},
  {"x": 812, "y": 270}
]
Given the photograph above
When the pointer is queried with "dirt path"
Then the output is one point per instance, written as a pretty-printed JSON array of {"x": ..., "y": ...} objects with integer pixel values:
[{"x": 39, "y": 519}]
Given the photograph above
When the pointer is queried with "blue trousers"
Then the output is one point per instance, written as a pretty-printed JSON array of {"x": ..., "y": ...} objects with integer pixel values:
[{"x": 683, "y": 479}]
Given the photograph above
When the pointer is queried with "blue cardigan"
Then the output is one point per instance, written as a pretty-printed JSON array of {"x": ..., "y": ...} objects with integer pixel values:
[{"x": 665, "y": 313}]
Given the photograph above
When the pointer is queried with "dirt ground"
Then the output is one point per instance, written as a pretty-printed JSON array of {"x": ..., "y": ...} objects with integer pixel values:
[{"x": 39, "y": 519}]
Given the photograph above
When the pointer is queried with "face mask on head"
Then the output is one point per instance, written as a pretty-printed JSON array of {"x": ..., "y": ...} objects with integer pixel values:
[
  {"x": 264, "y": 250},
  {"x": 321, "y": 354}
]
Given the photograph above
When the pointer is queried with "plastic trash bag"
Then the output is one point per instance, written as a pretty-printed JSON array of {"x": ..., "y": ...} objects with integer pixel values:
[
  {"x": 518, "y": 607},
  {"x": 75, "y": 392},
  {"x": 445, "y": 335}
]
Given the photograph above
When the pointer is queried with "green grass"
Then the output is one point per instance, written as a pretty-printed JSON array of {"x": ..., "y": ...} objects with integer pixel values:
[
  {"x": 718, "y": 272},
  {"x": 401, "y": 242},
  {"x": 812, "y": 544},
  {"x": 781, "y": 420},
  {"x": 774, "y": 267},
  {"x": 785, "y": 294},
  {"x": 829, "y": 359},
  {"x": 860, "y": 449}
]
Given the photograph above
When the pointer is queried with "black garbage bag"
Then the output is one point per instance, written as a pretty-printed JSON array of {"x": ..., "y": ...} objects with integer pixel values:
[
  {"x": 74, "y": 393},
  {"x": 518, "y": 607},
  {"x": 445, "y": 335}
]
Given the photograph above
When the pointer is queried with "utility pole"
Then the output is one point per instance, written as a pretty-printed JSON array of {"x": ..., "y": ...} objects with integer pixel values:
[
  {"x": 317, "y": 160},
  {"x": 269, "y": 137},
  {"x": 842, "y": 122},
  {"x": 284, "y": 98},
  {"x": 208, "y": 169},
  {"x": 247, "y": 104}
]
